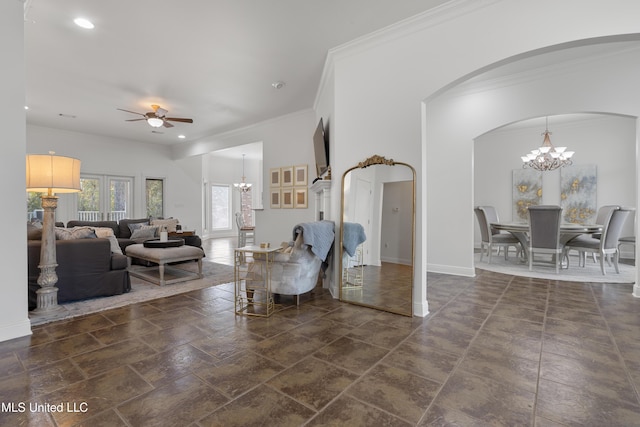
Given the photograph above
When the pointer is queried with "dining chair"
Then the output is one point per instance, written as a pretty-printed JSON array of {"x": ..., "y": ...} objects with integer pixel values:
[
  {"x": 544, "y": 233},
  {"x": 246, "y": 234},
  {"x": 601, "y": 217},
  {"x": 607, "y": 245},
  {"x": 491, "y": 240}
]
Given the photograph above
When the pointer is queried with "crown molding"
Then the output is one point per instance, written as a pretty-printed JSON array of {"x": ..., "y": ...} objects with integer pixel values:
[{"x": 427, "y": 19}]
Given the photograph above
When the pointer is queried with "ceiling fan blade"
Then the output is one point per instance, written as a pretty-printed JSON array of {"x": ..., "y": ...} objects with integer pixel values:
[
  {"x": 129, "y": 111},
  {"x": 167, "y": 124},
  {"x": 177, "y": 119},
  {"x": 134, "y": 120}
]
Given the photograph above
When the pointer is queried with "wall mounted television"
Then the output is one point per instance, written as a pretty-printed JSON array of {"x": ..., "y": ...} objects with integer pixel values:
[{"x": 321, "y": 149}]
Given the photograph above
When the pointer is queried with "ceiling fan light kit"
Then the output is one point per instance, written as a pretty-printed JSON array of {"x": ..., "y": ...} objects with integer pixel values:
[{"x": 157, "y": 118}]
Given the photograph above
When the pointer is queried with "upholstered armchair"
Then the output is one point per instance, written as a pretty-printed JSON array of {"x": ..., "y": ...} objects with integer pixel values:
[{"x": 295, "y": 269}]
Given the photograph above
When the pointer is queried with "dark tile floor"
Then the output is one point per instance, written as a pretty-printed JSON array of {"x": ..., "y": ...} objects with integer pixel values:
[{"x": 495, "y": 350}]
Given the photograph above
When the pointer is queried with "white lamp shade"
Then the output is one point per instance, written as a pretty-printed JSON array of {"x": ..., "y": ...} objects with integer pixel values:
[{"x": 58, "y": 174}]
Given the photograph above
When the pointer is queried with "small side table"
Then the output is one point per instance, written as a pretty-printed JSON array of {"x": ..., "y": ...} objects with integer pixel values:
[{"x": 252, "y": 277}]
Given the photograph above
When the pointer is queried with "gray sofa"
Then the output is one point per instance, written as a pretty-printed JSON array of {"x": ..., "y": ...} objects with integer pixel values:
[{"x": 86, "y": 269}]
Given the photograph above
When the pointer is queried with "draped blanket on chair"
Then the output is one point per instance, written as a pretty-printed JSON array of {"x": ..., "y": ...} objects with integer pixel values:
[{"x": 319, "y": 235}]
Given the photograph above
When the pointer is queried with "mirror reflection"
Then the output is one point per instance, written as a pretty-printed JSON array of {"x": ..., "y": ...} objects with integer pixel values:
[{"x": 377, "y": 237}]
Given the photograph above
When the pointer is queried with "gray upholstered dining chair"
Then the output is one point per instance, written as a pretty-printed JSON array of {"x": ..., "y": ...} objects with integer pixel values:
[
  {"x": 544, "y": 233},
  {"x": 491, "y": 240},
  {"x": 607, "y": 245}
]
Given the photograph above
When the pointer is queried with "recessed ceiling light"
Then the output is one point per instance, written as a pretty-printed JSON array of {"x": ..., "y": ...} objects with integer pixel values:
[
  {"x": 84, "y": 23},
  {"x": 26, "y": 107},
  {"x": 278, "y": 85},
  {"x": 181, "y": 136}
]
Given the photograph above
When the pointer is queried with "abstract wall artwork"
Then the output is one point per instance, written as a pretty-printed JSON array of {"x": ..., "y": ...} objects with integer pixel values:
[
  {"x": 527, "y": 191},
  {"x": 578, "y": 185}
]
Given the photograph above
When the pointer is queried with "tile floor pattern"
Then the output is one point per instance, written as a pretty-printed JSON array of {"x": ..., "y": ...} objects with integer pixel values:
[{"x": 495, "y": 350}]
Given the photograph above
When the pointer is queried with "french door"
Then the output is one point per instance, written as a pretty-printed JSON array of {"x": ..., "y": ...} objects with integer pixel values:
[{"x": 105, "y": 198}]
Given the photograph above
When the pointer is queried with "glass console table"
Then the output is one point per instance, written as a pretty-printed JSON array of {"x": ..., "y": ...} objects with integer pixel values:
[{"x": 252, "y": 277}]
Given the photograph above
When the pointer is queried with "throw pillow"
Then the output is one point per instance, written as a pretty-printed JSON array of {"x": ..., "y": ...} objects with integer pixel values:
[
  {"x": 156, "y": 232},
  {"x": 33, "y": 232},
  {"x": 139, "y": 235},
  {"x": 107, "y": 233},
  {"x": 75, "y": 233},
  {"x": 170, "y": 223},
  {"x": 136, "y": 225}
]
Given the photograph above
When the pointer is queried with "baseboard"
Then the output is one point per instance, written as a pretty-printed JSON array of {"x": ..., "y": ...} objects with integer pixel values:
[
  {"x": 451, "y": 269},
  {"x": 16, "y": 330}
]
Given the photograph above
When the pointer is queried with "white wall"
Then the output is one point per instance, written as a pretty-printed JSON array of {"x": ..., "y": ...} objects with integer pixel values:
[
  {"x": 605, "y": 141},
  {"x": 287, "y": 141},
  {"x": 105, "y": 155},
  {"x": 14, "y": 321}
]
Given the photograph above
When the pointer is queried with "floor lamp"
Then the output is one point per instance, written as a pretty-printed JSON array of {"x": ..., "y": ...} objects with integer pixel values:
[{"x": 49, "y": 174}]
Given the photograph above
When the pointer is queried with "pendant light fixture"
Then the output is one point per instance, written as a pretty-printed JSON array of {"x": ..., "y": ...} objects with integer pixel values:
[
  {"x": 547, "y": 157},
  {"x": 243, "y": 186}
]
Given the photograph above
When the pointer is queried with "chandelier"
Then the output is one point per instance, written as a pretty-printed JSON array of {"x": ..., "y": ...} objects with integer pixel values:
[
  {"x": 547, "y": 157},
  {"x": 243, "y": 186}
]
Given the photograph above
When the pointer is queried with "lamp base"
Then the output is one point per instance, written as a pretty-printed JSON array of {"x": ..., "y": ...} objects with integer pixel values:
[{"x": 47, "y": 301}]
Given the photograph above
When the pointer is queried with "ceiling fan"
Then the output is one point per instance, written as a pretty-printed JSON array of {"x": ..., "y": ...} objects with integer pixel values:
[{"x": 157, "y": 117}]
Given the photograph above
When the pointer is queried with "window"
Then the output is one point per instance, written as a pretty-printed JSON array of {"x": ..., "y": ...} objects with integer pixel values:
[
  {"x": 154, "y": 189},
  {"x": 246, "y": 207},
  {"x": 220, "y": 207},
  {"x": 34, "y": 207},
  {"x": 104, "y": 198}
]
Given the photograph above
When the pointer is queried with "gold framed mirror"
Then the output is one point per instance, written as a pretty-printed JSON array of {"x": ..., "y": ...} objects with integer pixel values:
[{"x": 377, "y": 236}]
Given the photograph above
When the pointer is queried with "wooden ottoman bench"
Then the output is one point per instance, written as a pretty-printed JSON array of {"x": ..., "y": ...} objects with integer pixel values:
[{"x": 163, "y": 256}]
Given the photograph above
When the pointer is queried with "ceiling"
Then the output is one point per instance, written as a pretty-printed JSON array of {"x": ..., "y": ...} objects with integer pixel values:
[{"x": 210, "y": 60}]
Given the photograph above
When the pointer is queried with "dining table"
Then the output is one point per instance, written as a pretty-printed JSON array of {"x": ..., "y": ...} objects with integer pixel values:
[{"x": 568, "y": 231}]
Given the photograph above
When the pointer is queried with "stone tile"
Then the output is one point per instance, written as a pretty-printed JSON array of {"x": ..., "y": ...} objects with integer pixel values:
[
  {"x": 123, "y": 331},
  {"x": 25, "y": 417},
  {"x": 571, "y": 406},
  {"x": 438, "y": 416},
  {"x": 56, "y": 350},
  {"x": 380, "y": 334},
  {"x": 487, "y": 400},
  {"x": 110, "y": 357},
  {"x": 396, "y": 391},
  {"x": 575, "y": 332},
  {"x": 505, "y": 309},
  {"x": 313, "y": 382},
  {"x": 323, "y": 329},
  {"x": 501, "y": 367},
  {"x": 106, "y": 419},
  {"x": 77, "y": 326},
  {"x": 9, "y": 365},
  {"x": 288, "y": 348},
  {"x": 99, "y": 393},
  {"x": 173, "y": 318},
  {"x": 170, "y": 337},
  {"x": 178, "y": 403},
  {"x": 467, "y": 309},
  {"x": 438, "y": 336},
  {"x": 347, "y": 353},
  {"x": 239, "y": 373},
  {"x": 585, "y": 374},
  {"x": 131, "y": 312},
  {"x": 226, "y": 343},
  {"x": 347, "y": 411},
  {"x": 271, "y": 326},
  {"x": 351, "y": 315},
  {"x": 583, "y": 349},
  {"x": 262, "y": 406},
  {"x": 173, "y": 363},
  {"x": 423, "y": 361}
]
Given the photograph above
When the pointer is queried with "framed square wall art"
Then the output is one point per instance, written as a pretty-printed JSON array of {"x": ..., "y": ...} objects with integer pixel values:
[
  {"x": 286, "y": 201},
  {"x": 578, "y": 189},
  {"x": 300, "y": 198},
  {"x": 286, "y": 176},
  {"x": 300, "y": 175},
  {"x": 274, "y": 198},
  {"x": 274, "y": 180},
  {"x": 527, "y": 191}
]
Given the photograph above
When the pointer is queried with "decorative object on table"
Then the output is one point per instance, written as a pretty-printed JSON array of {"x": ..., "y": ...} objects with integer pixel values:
[
  {"x": 243, "y": 186},
  {"x": 50, "y": 174},
  {"x": 527, "y": 191},
  {"x": 300, "y": 175},
  {"x": 578, "y": 186},
  {"x": 547, "y": 157}
]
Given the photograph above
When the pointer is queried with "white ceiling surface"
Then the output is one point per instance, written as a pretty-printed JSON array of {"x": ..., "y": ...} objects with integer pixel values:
[{"x": 210, "y": 60}]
